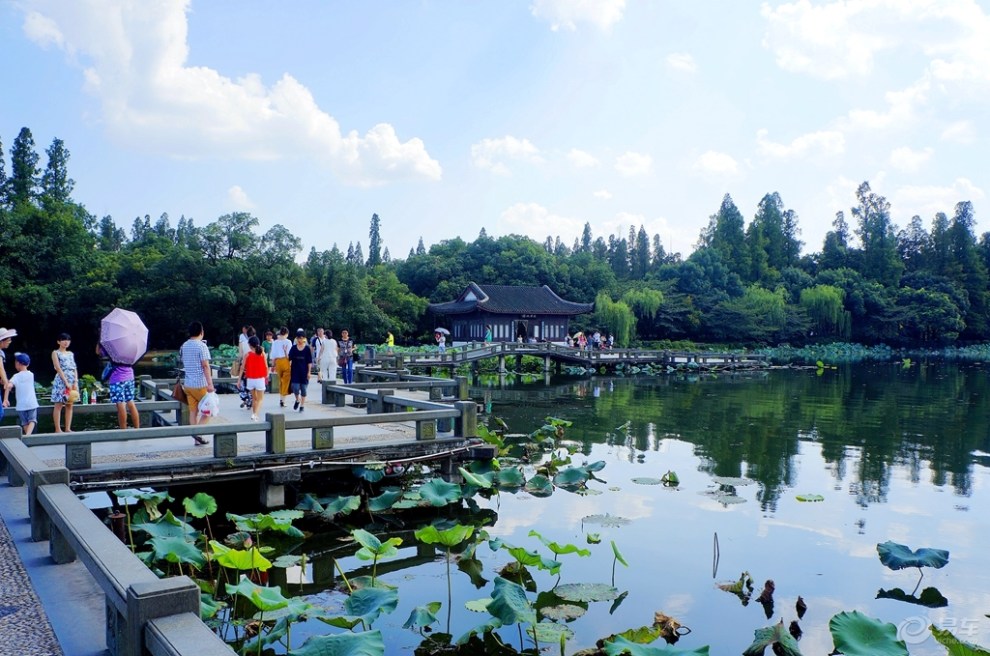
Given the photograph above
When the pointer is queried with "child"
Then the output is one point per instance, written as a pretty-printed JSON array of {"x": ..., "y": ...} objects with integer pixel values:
[{"x": 27, "y": 401}]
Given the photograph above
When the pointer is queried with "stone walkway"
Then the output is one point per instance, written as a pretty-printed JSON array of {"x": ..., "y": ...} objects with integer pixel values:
[{"x": 24, "y": 626}]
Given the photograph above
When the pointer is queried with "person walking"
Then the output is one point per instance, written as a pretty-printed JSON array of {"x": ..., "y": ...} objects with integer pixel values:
[
  {"x": 280, "y": 361},
  {"x": 65, "y": 382},
  {"x": 242, "y": 350},
  {"x": 345, "y": 349},
  {"x": 390, "y": 343},
  {"x": 488, "y": 333},
  {"x": 318, "y": 342},
  {"x": 197, "y": 376},
  {"x": 328, "y": 358},
  {"x": 122, "y": 393},
  {"x": 300, "y": 362},
  {"x": 256, "y": 374},
  {"x": 5, "y": 336},
  {"x": 23, "y": 385},
  {"x": 266, "y": 345}
]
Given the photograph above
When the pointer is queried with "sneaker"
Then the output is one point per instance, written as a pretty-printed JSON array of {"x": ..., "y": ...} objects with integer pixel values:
[
  {"x": 281, "y": 403},
  {"x": 254, "y": 417},
  {"x": 302, "y": 408},
  {"x": 295, "y": 406}
]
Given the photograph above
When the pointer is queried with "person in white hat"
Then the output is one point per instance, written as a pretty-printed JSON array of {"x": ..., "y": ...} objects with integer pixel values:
[{"x": 5, "y": 337}]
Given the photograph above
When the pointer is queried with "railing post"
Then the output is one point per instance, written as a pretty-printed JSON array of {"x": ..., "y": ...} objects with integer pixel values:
[
  {"x": 462, "y": 388},
  {"x": 146, "y": 601},
  {"x": 275, "y": 436},
  {"x": 325, "y": 392},
  {"x": 466, "y": 424},
  {"x": 78, "y": 456}
]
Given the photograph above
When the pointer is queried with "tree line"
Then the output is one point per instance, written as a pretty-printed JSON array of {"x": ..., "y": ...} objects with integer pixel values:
[{"x": 62, "y": 268}]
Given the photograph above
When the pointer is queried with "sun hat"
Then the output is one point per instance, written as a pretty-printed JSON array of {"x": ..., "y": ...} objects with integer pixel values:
[
  {"x": 300, "y": 332},
  {"x": 23, "y": 358},
  {"x": 7, "y": 334}
]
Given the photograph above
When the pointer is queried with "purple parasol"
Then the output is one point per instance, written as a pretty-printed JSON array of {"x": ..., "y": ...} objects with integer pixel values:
[{"x": 123, "y": 336}]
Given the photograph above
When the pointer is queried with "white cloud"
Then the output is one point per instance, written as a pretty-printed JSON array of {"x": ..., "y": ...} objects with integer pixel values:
[
  {"x": 536, "y": 221},
  {"x": 814, "y": 144},
  {"x": 488, "y": 154},
  {"x": 239, "y": 198},
  {"x": 716, "y": 162},
  {"x": 909, "y": 160},
  {"x": 582, "y": 159},
  {"x": 900, "y": 111},
  {"x": 568, "y": 13},
  {"x": 961, "y": 132},
  {"x": 135, "y": 63},
  {"x": 926, "y": 200},
  {"x": 681, "y": 61},
  {"x": 631, "y": 163},
  {"x": 603, "y": 194}
]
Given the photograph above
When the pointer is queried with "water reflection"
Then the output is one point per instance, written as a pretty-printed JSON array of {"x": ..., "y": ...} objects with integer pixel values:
[{"x": 867, "y": 420}]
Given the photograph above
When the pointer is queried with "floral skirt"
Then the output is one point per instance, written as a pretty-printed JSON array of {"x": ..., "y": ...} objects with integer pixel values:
[{"x": 60, "y": 393}]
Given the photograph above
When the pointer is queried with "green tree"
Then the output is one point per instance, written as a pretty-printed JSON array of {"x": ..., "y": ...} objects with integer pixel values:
[
  {"x": 21, "y": 186},
  {"x": 616, "y": 318},
  {"x": 826, "y": 309},
  {"x": 56, "y": 185},
  {"x": 725, "y": 234},
  {"x": 876, "y": 232},
  {"x": 375, "y": 241}
]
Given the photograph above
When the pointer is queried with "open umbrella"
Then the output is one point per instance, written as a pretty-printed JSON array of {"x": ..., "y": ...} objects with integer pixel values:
[
  {"x": 441, "y": 330},
  {"x": 123, "y": 336}
]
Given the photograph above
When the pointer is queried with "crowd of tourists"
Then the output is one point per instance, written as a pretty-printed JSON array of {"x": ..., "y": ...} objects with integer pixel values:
[
  {"x": 293, "y": 361},
  {"x": 65, "y": 386}
]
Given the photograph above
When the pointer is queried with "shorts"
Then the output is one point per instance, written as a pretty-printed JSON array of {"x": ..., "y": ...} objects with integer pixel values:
[
  {"x": 28, "y": 416},
  {"x": 256, "y": 383},
  {"x": 300, "y": 389},
  {"x": 122, "y": 392},
  {"x": 195, "y": 395}
]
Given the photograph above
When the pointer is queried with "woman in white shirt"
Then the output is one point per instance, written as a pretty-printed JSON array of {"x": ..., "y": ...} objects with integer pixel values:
[
  {"x": 327, "y": 362},
  {"x": 280, "y": 361}
]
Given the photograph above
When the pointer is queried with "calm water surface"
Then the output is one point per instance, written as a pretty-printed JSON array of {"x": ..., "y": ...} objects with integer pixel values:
[{"x": 897, "y": 453}]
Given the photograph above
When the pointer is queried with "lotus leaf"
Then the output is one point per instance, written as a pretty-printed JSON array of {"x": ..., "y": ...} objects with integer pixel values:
[
  {"x": 509, "y": 603},
  {"x": 930, "y": 597},
  {"x": 586, "y": 592},
  {"x": 167, "y": 527},
  {"x": 539, "y": 486},
  {"x": 482, "y": 481},
  {"x": 200, "y": 505},
  {"x": 606, "y": 520},
  {"x": 264, "y": 598},
  {"x": 240, "y": 559},
  {"x": 594, "y": 538},
  {"x": 778, "y": 636},
  {"x": 177, "y": 550},
  {"x": 208, "y": 606},
  {"x": 619, "y": 645},
  {"x": 384, "y": 501},
  {"x": 855, "y": 634},
  {"x": 897, "y": 556},
  {"x": 618, "y": 555},
  {"x": 810, "y": 497},
  {"x": 474, "y": 569},
  {"x": 478, "y": 605},
  {"x": 309, "y": 503},
  {"x": 563, "y": 612},
  {"x": 296, "y": 609},
  {"x": 369, "y": 603},
  {"x": 559, "y": 549},
  {"x": 732, "y": 481},
  {"x": 588, "y": 492},
  {"x": 571, "y": 477},
  {"x": 670, "y": 479},
  {"x": 510, "y": 477},
  {"x": 287, "y": 560},
  {"x": 422, "y": 616},
  {"x": 372, "y": 473},
  {"x": 341, "y": 622},
  {"x": 552, "y": 633},
  {"x": 449, "y": 537},
  {"x": 372, "y": 548},
  {"x": 366, "y": 643},
  {"x": 439, "y": 492},
  {"x": 643, "y": 480},
  {"x": 340, "y": 506},
  {"x": 956, "y": 646}
]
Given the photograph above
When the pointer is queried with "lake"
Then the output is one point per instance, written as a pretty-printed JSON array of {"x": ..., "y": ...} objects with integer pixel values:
[{"x": 896, "y": 453}]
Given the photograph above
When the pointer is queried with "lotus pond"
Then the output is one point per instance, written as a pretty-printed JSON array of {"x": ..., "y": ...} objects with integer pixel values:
[{"x": 697, "y": 491}]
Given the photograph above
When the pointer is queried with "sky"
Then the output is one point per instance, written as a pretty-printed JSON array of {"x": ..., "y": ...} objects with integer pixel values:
[{"x": 529, "y": 117}]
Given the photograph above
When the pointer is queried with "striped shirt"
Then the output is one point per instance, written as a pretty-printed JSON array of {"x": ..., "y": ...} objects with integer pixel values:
[{"x": 191, "y": 354}]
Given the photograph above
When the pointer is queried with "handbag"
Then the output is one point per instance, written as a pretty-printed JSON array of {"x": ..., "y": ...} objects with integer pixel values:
[
  {"x": 107, "y": 371},
  {"x": 178, "y": 393}
]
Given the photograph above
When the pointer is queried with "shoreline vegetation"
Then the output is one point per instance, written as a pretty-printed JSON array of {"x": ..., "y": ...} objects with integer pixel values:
[{"x": 749, "y": 282}]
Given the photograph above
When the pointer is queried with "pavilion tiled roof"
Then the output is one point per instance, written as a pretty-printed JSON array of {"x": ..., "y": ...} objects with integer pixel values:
[{"x": 509, "y": 299}]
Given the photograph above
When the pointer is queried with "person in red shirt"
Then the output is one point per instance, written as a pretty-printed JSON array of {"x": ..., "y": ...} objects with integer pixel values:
[{"x": 256, "y": 374}]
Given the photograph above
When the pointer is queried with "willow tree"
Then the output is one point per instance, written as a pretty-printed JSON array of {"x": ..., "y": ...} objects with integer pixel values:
[
  {"x": 825, "y": 305},
  {"x": 615, "y": 317},
  {"x": 644, "y": 303}
]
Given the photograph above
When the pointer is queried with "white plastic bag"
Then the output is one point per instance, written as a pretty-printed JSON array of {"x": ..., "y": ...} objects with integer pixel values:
[{"x": 210, "y": 405}]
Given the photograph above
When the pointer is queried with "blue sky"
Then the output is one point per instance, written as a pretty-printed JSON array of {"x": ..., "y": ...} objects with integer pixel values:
[{"x": 520, "y": 116}]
